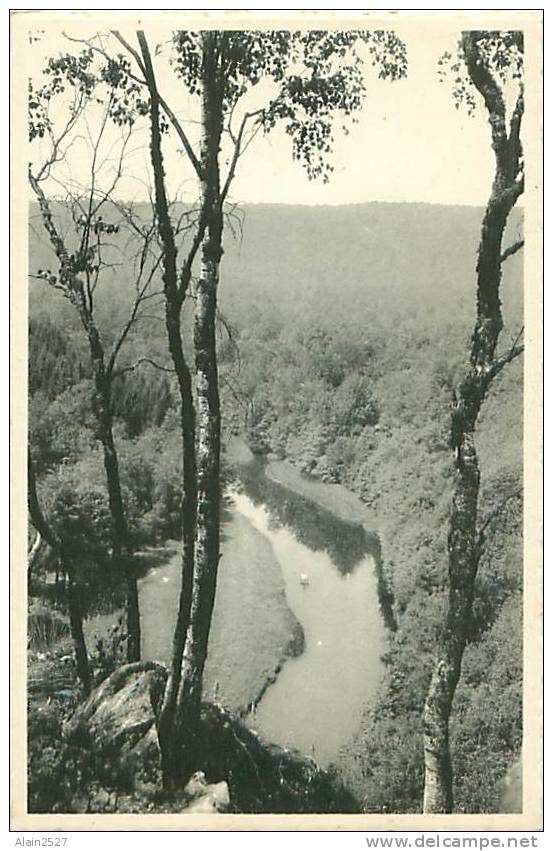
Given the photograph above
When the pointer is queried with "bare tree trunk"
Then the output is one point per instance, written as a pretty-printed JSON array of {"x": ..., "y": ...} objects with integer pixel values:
[
  {"x": 208, "y": 422},
  {"x": 168, "y": 722},
  {"x": 438, "y": 790},
  {"x": 120, "y": 534},
  {"x": 464, "y": 541},
  {"x": 175, "y": 292},
  {"x": 201, "y": 425},
  {"x": 73, "y": 600},
  {"x": 76, "y": 626}
]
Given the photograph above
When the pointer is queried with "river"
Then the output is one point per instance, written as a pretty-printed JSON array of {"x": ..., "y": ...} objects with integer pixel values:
[
  {"x": 272, "y": 535},
  {"x": 316, "y": 702}
]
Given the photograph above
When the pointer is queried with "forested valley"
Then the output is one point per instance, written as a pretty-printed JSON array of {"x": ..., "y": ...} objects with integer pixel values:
[{"x": 341, "y": 339}]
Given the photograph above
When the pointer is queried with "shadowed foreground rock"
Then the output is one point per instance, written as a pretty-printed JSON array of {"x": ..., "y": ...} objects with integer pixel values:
[
  {"x": 236, "y": 769},
  {"x": 117, "y": 721}
]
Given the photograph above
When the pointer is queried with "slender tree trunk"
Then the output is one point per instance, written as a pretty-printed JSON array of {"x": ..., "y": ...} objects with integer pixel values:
[
  {"x": 34, "y": 553},
  {"x": 73, "y": 599},
  {"x": 208, "y": 417},
  {"x": 121, "y": 555},
  {"x": 74, "y": 290},
  {"x": 168, "y": 723},
  {"x": 438, "y": 789},
  {"x": 76, "y": 626},
  {"x": 175, "y": 292},
  {"x": 464, "y": 542}
]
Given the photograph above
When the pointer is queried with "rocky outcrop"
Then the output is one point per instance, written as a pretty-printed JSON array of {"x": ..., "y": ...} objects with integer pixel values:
[
  {"x": 206, "y": 797},
  {"x": 117, "y": 722}
]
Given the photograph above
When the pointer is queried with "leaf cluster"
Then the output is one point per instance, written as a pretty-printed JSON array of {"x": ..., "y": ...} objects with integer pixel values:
[
  {"x": 316, "y": 74},
  {"x": 502, "y": 53}
]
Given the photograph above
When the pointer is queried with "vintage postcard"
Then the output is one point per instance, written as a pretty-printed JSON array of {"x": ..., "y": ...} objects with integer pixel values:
[{"x": 276, "y": 335}]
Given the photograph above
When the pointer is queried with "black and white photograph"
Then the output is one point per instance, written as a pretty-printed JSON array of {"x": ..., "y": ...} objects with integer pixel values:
[{"x": 276, "y": 420}]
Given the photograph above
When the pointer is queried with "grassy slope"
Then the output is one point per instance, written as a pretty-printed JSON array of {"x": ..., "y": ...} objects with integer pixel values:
[
  {"x": 252, "y": 624},
  {"x": 334, "y": 497},
  {"x": 253, "y": 627}
]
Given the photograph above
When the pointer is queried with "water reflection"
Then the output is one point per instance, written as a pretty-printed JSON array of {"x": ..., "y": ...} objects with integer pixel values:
[
  {"x": 318, "y": 529},
  {"x": 316, "y": 703},
  {"x": 347, "y": 544}
]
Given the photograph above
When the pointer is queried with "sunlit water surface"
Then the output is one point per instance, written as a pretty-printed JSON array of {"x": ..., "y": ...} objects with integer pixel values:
[{"x": 316, "y": 702}]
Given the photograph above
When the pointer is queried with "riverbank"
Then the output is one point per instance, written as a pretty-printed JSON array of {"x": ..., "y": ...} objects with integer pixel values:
[
  {"x": 250, "y": 612},
  {"x": 335, "y": 498},
  {"x": 279, "y": 525},
  {"x": 337, "y": 501}
]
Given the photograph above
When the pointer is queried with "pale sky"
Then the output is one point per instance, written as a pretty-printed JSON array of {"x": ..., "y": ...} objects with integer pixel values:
[{"x": 410, "y": 144}]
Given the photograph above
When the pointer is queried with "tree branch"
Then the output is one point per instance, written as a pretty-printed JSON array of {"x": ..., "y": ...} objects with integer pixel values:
[
  {"x": 501, "y": 361},
  {"x": 130, "y": 49},
  {"x": 185, "y": 275},
  {"x": 138, "y": 363},
  {"x": 516, "y": 246},
  {"x": 141, "y": 296},
  {"x": 150, "y": 78},
  {"x": 484, "y": 82},
  {"x": 237, "y": 151},
  {"x": 68, "y": 282}
]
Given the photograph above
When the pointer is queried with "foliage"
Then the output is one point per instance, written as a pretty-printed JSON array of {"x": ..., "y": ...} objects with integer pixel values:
[
  {"x": 55, "y": 772},
  {"x": 141, "y": 399},
  {"x": 336, "y": 404},
  {"x": 501, "y": 52},
  {"x": 61, "y": 431},
  {"x": 44, "y": 627},
  {"x": 486, "y": 729},
  {"x": 55, "y": 362},
  {"x": 315, "y": 74},
  {"x": 68, "y": 776}
]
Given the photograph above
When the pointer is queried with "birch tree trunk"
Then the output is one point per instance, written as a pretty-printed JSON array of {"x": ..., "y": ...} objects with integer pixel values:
[
  {"x": 208, "y": 418},
  {"x": 34, "y": 552},
  {"x": 168, "y": 727},
  {"x": 464, "y": 541},
  {"x": 174, "y": 292}
]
